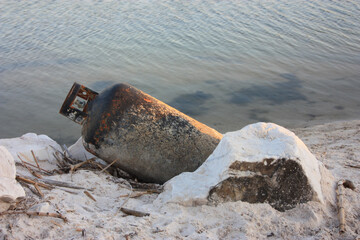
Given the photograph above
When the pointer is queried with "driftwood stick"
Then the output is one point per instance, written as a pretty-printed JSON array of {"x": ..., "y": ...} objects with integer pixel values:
[
  {"x": 30, "y": 170},
  {"x": 139, "y": 194},
  {"x": 134, "y": 212},
  {"x": 47, "y": 214},
  {"x": 353, "y": 166},
  {"x": 56, "y": 150},
  {"x": 60, "y": 184},
  {"x": 340, "y": 205},
  {"x": 156, "y": 188},
  {"x": 55, "y": 223},
  {"x": 32, "y": 189},
  {"x": 19, "y": 178},
  {"x": 76, "y": 166},
  {"x": 32, "y": 165},
  {"x": 60, "y": 163},
  {"x": 109, "y": 165},
  {"x": 340, "y": 201},
  {"x": 55, "y": 154},
  {"x": 90, "y": 196},
  {"x": 49, "y": 184},
  {"x": 101, "y": 167},
  {"x": 70, "y": 160},
  {"x": 38, "y": 189},
  {"x": 33, "y": 154}
]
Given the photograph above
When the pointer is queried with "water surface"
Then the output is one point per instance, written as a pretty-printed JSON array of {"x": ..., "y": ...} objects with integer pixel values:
[{"x": 226, "y": 63}]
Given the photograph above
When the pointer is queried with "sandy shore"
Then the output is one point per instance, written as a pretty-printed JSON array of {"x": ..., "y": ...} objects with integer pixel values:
[{"x": 336, "y": 145}]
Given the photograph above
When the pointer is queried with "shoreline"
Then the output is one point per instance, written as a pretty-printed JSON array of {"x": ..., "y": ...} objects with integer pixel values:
[{"x": 335, "y": 144}]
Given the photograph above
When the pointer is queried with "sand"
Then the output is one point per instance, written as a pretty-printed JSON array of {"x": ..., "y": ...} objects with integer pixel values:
[{"x": 336, "y": 145}]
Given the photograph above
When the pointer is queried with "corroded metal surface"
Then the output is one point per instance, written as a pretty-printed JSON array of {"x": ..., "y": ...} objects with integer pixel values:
[
  {"x": 148, "y": 138},
  {"x": 76, "y": 103}
]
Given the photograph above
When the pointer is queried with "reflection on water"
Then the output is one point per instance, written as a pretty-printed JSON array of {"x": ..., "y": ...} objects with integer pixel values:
[
  {"x": 274, "y": 93},
  {"x": 193, "y": 104},
  {"x": 227, "y": 63}
]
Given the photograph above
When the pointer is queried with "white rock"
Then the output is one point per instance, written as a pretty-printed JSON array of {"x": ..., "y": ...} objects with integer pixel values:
[
  {"x": 40, "y": 144},
  {"x": 252, "y": 144},
  {"x": 77, "y": 151},
  {"x": 10, "y": 189}
]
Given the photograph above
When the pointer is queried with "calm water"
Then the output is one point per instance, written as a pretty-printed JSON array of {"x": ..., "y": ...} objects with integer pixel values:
[{"x": 226, "y": 63}]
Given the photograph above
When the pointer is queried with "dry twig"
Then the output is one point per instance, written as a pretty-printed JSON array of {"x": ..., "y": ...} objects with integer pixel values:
[
  {"x": 55, "y": 223},
  {"x": 30, "y": 170},
  {"x": 134, "y": 212},
  {"x": 38, "y": 189},
  {"x": 47, "y": 214},
  {"x": 101, "y": 167},
  {"x": 32, "y": 165},
  {"x": 32, "y": 189},
  {"x": 340, "y": 201},
  {"x": 340, "y": 205},
  {"x": 36, "y": 161},
  {"x": 61, "y": 184},
  {"x": 154, "y": 187},
  {"x": 90, "y": 196},
  {"x": 353, "y": 166},
  {"x": 76, "y": 166},
  {"x": 139, "y": 194},
  {"x": 19, "y": 178},
  {"x": 109, "y": 165}
]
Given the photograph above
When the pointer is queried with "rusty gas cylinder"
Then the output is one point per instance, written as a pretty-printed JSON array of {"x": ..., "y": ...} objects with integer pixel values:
[{"x": 147, "y": 138}]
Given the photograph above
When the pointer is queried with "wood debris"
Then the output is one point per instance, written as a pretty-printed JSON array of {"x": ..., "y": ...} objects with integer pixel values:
[
  {"x": 90, "y": 196},
  {"x": 340, "y": 202},
  {"x": 139, "y": 194},
  {"x": 67, "y": 164},
  {"x": 154, "y": 187},
  {"x": 32, "y": 189},
  {"x": 109, "y": 165},
  {"x": 35, "y": 159},
  {"x": 47, "y": 214},
  {"x": 78, "y": 165},
  {"x": 55, "y": 223},
  {"x": 353, "y": 166},
  {"x": 42, "y": 170},
  {"x": 20, "y": 178},
  {"x": 38, "y": 190},
  {"x": 340, "y": 205},
  {"x": 134, "y": 212},
  {"x": 61, "y": 184},
  {"x": 28, "y": 168}
]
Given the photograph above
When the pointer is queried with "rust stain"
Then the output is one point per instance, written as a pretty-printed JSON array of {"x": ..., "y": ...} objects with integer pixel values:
[{"x": 82, "y": 95}]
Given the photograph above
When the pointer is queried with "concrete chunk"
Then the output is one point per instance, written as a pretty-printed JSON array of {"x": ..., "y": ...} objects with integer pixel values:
[
  {"x": 10, "y": 189},
  {"x": 261, "y": 163}
]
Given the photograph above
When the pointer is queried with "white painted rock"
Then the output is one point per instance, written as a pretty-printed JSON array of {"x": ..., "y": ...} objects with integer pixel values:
[
  {"x": 262, "y": 162},
  {"x": 10, "y": 189},
  {"x": 40, "y": 144},
  {"x": 78, "y": 151}
]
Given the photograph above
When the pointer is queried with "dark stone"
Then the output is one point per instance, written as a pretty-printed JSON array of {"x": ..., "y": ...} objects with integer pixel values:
[{"x": 282, "y": 184}]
